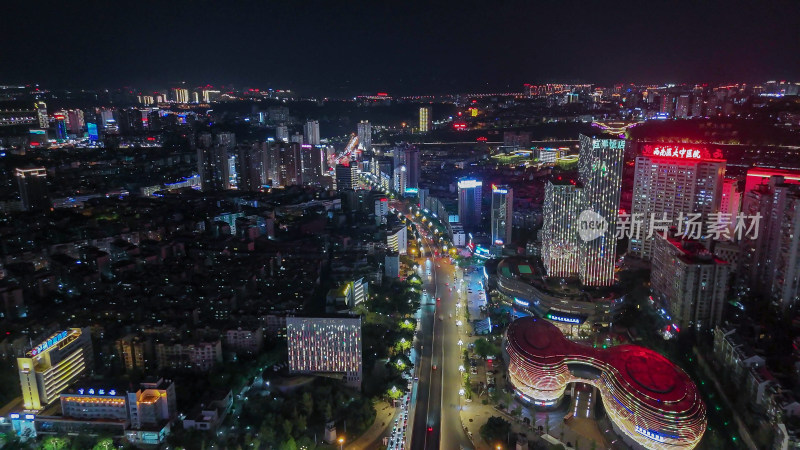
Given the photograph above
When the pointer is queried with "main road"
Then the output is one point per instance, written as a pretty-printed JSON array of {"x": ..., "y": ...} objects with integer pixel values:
[{"x": 436, "y": 415}]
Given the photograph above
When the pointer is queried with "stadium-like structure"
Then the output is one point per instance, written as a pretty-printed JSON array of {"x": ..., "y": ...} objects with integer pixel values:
[{"x": 650, "y": 401}]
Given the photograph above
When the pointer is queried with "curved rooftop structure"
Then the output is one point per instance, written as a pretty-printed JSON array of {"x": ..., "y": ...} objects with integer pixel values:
[
  {"x": 567, "y": 302},
  {"x": 649, "y": 399}
]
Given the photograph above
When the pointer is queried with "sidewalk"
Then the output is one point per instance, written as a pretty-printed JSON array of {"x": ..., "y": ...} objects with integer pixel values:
[{"x": 372, "y": 437}]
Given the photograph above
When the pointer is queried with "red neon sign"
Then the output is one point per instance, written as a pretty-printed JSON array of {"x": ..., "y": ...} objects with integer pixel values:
[
  {"x": 483, "y": 139},
  {"x": 682, "y": 151}
]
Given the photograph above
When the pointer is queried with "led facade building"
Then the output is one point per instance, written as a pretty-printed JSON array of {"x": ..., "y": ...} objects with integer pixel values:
[
  {"x": 600, "y": 174},
  {"x": 52, "y": 366},
  {"x": 560, "y": 240},
  {"x": 670, "y": 180},
  {"x": 425, "y": 120},
  {"x": 325, "y": 345},
  {"x": 650, "y": 401},
  {"x": 502, "y": 214},
  {"x": 469, "y": 203}
]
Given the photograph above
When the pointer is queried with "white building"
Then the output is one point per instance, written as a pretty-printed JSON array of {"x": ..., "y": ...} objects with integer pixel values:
[
  {"x": 311, "y": 132},
  {"x": 325, "y": 345},
  {"x": 365, "y": 135},
  {"x": 397, "y": 239},
  {"x": 668, "y": 186},
  {"x": 689, "y": 282}
]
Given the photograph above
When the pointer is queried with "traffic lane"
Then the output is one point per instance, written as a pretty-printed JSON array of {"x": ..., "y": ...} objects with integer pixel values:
[
  {"x": 453, "y": 434},
  {"x": 420, "y": 415}
]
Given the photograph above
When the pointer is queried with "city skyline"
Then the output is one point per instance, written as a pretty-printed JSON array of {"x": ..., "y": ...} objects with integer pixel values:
[{"x": 368, "y": 47}]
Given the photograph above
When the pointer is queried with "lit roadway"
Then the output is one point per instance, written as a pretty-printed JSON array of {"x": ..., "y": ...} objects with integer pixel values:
[{"x": 437, "y": 401}]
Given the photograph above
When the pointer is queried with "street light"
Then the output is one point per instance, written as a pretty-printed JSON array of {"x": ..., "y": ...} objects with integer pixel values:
[{"x": 341, "y": 443}]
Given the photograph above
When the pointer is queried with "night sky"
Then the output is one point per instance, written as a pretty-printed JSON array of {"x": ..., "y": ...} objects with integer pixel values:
[{"x": 402, "y": 47}]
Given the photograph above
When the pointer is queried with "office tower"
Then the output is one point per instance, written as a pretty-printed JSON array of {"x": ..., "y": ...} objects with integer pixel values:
[
  {"x": 397, "y": 239},
  {"x": 671, "y": 180},
  {"x": 41, "y": 113},
  {"x": 502, "y": 214},
  {"x": 325, "y": 345},
  {"x": 180, "y": 95},
  {"x": 61, "y": 126},
  {"x": 412, "y": 166},
  {"x": 75, "y": 121},
  {"x": 688, "y": 282},
  {"x": 469, "y": 203},
  {"x": 195, "y": 97},
  {"x": 282, "y": 133},
  {"x": 296, "y": 138},
  {"x": 425, "y": 119},
  {"x": 563, "y": 203},
  {"x": 600, "y": 175},
  {"x": 52, "y": 366},
  {"x": 311, "y": 132},
  {"x": 251, "y": 170},
  {"x": 682, "y": 107},
  {"x": 346, "y": 177},
  {"x": 33, "y": 188},
  {"x": 364, "y": 135},
  {"x": 213, "y": 160}
]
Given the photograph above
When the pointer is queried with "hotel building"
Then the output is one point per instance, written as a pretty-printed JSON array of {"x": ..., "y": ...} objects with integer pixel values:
[{"x": 52, "y": 366}]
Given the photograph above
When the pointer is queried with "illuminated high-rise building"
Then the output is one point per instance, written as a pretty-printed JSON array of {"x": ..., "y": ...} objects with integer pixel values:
[
  {"x": 53, "y": 365},
  {"x": 469, "y": 203},
  {"x": 210, "y": 95},
  {"x": 311, "y": 132},
  {"x": 682, "y": 106},
  {"x": 251, "y": 162},
  {"x": 365, "y": 135},
  {"x": 325, "y": 345},
  {"x": 32, "y": 184},
  {"x": 425, "y": 119},
  {"x": 41, "y": 112},
  {"x": 180, "y": 95},
  {"x": 670, "y": 180},
  {"x": 502, "y": 214},
  {"x": 346, "y": 176},
  {"x": 600, "y": 176},
  {"x": 311, "y": 160},
  {"x": 563, "y": 203},
  {"x": 61, "y": 126}
]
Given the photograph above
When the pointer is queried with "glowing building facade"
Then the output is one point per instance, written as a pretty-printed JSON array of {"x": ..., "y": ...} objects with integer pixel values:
[
  {"x": 325, "y": 345},
  {"x": 560, "y": 240},
  {"x": 469, "y": 203},
  {"x": 53, "y": 365},
  {"x": 502, "y": 214},
  {"x": 650, "y": 401},
  {"x": 425, "y": 119},
  {"x": 600, "y": 174}
]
